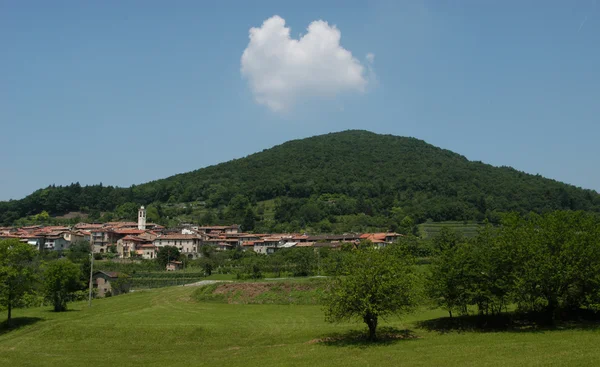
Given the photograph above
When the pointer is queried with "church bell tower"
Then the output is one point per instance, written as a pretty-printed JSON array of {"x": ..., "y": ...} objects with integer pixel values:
[{"x": 142, "y": 218}]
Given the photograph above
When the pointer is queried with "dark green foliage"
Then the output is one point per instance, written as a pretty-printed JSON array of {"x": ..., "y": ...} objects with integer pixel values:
[
  {"x": 542, "y": 263},
  {"x": 121, "y": 285},
  {"x": 301, "y": 261},
  {"x": 17, "y": 272},
  {"x": 351, "y": 180},
  {"x": 251, "y": 267},
  {"x": 61, "y": 281},
  {"x": 78, "y": 251},
  {"x": 165, "y": 254},
  {"x": 558, "y": 257}
]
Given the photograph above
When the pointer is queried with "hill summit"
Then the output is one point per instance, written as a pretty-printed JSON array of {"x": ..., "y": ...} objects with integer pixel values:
[{"x": 354, "y": 177}]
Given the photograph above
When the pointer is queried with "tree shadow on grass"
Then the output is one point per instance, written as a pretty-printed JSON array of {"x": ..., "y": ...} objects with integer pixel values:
[
  {"x": 359, "y": 338},
  {"x": 17, "y": 323},
  {"x": 514, "y": 322},
  {"x": 51, "y": 310}
]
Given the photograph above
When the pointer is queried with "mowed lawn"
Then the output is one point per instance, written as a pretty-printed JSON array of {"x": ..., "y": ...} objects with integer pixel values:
[{"x": 165, "y": 327}]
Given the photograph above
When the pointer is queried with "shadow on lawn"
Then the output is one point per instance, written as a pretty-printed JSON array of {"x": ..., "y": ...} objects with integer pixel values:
[
  {"x": 17, "y": 323},
  {"x": 513, "y": 322},
  {"x": 359, "y": 338}
]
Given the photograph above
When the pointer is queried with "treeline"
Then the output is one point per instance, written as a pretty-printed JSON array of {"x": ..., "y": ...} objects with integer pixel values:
[
  {"x": 30, "y": 278},
  {"x": 333, "y": 181},
  {"x": 538, "y": 263}
]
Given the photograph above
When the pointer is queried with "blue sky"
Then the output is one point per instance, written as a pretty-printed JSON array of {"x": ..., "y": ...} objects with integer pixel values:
[{"x": 123, "y": 92}]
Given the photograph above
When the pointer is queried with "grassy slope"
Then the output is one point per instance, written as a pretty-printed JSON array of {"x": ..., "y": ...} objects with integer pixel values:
[{"x": 165, "y": 327}]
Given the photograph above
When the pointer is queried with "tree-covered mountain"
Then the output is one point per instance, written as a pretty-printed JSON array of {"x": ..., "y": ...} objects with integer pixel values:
[{"x": 365, "y": 179}]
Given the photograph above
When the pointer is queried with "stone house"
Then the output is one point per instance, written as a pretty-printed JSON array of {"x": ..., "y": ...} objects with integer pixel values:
[
  {"x": 103, "y": 282},
  {"x": 174, "y": 265}
]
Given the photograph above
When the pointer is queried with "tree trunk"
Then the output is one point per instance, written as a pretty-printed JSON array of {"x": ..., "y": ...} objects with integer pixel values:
[
  {"x": 551, "y": 308},
  {"x": 371, "y": 321},
  {"x": 9, "y": 319},
  {"x": 450, "y": 312}
]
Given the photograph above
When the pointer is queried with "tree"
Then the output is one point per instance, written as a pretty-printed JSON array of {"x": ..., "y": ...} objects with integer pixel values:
[
  {"x": 61, "y": 281},
  {"x": 120, "y": 285},
  {"x": 79, "y": 251},
  {"x": 558, "y": 257},
  {"x": 251, "y": 267},
  {"x": 166, "y": 254},
  {"x": 16, "y": 272},
  {"x": 451, "y": 281},
  {"x": 445, "y": 239},
  {"x": 300, "y": 260},
  {"x": 375, "y": 283},
  {"x": 249, "y": 220}
]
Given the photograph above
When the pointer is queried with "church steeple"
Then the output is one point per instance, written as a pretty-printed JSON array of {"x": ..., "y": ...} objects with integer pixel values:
[{"x": 142, "y": 218}]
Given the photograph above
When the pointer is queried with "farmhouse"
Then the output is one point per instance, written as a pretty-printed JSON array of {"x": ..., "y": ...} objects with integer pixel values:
[
  {"x": 174, "y": 265},
  {"x": 103, "y": 282}
]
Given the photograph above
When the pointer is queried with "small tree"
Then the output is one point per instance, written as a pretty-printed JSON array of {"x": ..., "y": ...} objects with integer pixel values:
[
  {"x": 16, "y": 272},
  {"x": 375, "y": 283},
  {"x": 166, "y": 254},
  {"x": 251, "y": 267},
  {"x": 79, "y": 251},
  {"x": 61, "y": 281},
  {"x": 120, "y": 285}
]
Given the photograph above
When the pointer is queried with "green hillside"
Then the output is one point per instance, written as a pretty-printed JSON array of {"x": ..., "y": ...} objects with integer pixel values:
[{"x": 350, "y": 180}]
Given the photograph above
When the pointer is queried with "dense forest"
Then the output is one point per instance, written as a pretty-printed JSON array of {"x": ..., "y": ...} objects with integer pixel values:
[{"x": 350, "y": 180}]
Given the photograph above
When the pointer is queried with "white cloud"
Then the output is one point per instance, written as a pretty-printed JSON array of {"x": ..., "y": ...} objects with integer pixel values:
[{"x": 282, "y": 71}]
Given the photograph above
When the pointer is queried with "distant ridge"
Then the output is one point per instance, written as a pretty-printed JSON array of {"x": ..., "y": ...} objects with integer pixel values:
[{"x": 327, "y": 177}]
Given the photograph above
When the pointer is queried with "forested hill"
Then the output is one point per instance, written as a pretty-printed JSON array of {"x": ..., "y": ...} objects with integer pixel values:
[{"x": 330, "y": 177}]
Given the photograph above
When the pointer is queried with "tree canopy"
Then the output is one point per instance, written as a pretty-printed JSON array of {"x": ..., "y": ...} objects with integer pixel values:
[
  {"x": 16, "y": 272},
  {"x": 166, "y": 254},
  {"x": 373, "y": 284},
  {"x": 61, "y": 280}
]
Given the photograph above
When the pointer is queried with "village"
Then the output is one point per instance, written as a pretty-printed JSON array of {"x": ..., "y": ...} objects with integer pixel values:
[{"x": 141, "y": 240}]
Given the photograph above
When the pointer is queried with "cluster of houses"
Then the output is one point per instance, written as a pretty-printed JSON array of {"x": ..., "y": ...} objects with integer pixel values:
[{"x": 142, "y": 240}]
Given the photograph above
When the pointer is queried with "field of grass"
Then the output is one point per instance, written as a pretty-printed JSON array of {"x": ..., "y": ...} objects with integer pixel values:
[
  {"x": 282, "y": 292},
  {"x": 168, "y": 326},
  {"x": 431, "y": 229}
]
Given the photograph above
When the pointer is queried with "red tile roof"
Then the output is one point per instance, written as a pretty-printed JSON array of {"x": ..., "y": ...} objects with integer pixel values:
[
  {"x": 177, "y": 237},
  {"x": 133, "y": 238},
  {"x": 128, "y": 231}
]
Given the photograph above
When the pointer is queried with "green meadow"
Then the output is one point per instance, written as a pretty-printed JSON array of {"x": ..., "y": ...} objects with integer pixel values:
[{"x": 180, "y": 326}]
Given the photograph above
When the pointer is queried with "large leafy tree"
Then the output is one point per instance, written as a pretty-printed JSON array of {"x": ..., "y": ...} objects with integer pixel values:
[
  {"x": 559, "y": 260},
  {"x": 62, "y": 278},
  {"x": 16, "y": 272},
  {"x": 375, "y": 283},
  {"x": 166, "y": 254}
]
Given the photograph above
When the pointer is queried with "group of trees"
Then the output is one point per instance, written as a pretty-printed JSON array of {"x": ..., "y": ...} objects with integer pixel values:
[
  {"x": 24, "y": 272},
  {"x": 546, "y": 265},
  {"x": 542, "y": 263},
  {"x": 351, "y": 180}
]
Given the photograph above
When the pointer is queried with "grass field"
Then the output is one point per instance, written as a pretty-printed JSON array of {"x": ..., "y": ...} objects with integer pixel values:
[{"x": 168, "y": 326}]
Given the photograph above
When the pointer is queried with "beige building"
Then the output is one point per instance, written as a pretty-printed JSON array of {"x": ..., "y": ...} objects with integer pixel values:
[
  {"x": 188, "y": 244},
  {"x": 146, "y": 251}
]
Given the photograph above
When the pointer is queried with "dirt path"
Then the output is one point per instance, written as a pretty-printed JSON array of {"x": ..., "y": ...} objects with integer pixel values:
[{"x": 206, "y": 282}]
